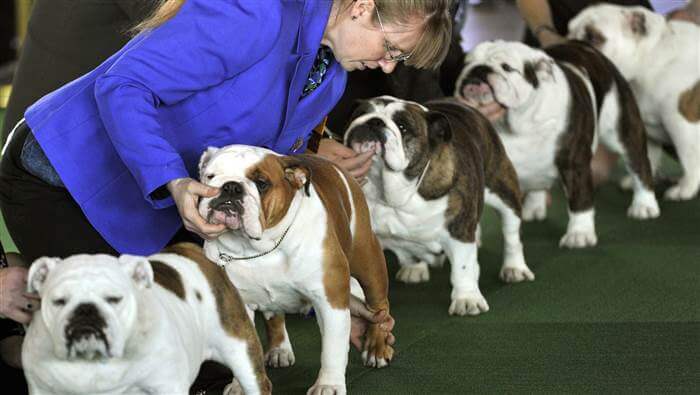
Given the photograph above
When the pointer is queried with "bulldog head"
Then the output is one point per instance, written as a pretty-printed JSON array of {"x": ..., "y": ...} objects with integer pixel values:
[
  {"x": 620, "y": 33},
  {"x": 401, "y": 132},
  {"x": 88, "y": 302},
  {"x": 508, "y": 72},
  {"x": 257, "y": 187}
]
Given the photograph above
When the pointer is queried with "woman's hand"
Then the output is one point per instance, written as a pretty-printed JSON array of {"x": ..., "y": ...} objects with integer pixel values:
[
  {"x": 547, "y": 38},
  {"x": 689, "y": 13},
  {"x": 361, "y": 317},
  {"x": 186, "y": 193},
  {"x": 490, "y": 109},
  {"x": 15, "y": 303},
  {"x": 357, "y": 165}
]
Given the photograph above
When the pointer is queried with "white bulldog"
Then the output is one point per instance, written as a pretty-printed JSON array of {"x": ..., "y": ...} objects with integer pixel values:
[
  {"x": 560, "y": 102},
  {"x": 299, "y": 228},
  {"x": 436, "y": 166},
  {"x": 661, "y": 60},
  {"x": 136, "y": 325}
]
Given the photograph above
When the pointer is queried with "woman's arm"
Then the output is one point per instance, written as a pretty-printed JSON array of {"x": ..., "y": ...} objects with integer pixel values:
[
  {"x": 206, "y": 43},
  {"x": 538, "y": 16}
]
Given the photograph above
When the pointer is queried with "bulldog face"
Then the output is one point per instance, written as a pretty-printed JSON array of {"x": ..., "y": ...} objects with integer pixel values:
[
  {"x": 618, "y": 32},
  {"x": 257, "y": 187},
  {"x": 88, "y": 302},
  {"x": 507, "y": 72},
  {"x": 399, "y": 131}
]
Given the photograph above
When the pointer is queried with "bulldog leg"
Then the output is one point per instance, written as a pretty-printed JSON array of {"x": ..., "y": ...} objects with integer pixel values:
[
  {"x": 655, "y": 154},
  {"x": 626, "y": 136},
  {"x": 244, "y": 358},
  {"x": 514, "y": 268},
  {"x": 575, "y": 173},
  {"x": 279, "y": 349},
  {"x": 335, "y": 342},
  {"x": 464, "y": 276},
  {"x": 535, "y": 206},
  {"x": 368, "y": 267},
  {"x": 686, "y": 139}
]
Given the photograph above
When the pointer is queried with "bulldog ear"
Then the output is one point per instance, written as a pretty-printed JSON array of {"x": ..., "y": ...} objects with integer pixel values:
[
  {"x": 39, "y": 272},
  {"x": 205, "y": 158},
  {"x": 299, "y": 176},
  {"x": 139, "y": 269},
  {"x": 637, "y": 22},
  {"x": 538, "y": 71},
  {"x": 439, "y": 128}
]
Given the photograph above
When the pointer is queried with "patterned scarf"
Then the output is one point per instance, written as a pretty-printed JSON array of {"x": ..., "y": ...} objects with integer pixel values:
[{"x": 324, "y": 57}]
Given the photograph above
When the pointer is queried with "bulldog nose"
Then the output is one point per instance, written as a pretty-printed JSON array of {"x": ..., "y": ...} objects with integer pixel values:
[
  {"x": 233, "y": 189},
  {"x": 85, "y": 310},
  {"x": 375, "y": 123},
  {"x": 86, "y": 318}
]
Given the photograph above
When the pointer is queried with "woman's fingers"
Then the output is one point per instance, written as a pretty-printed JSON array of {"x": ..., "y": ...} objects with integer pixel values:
[
  {"x": 199, "y": 189},
  {"x": 19, "y": 314},
  {"x": 360, "y": 173}
]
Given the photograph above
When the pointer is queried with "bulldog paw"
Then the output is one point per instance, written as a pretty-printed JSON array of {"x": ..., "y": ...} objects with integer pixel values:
[
  {"x": 413, "y": 273},
  {"x": 377, "y": 353},
  {"x": 471, "y": 304},
  {"x": 234, "y": 388},
  {"x": 279, "y": 357},
  {"x": 643, "y": 210},
  {"x": 535, "y": 206},
  {"x": 627, "y": 183},
  {"x": 515, "y": 274},
  {"x": 578, "y": 239},
  {"x": 680, "y": 192},
  {"x": 327, "y": 389}
]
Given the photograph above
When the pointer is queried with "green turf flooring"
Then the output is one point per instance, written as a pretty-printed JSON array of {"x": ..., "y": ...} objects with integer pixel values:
[{"x": 623, "y": 317}]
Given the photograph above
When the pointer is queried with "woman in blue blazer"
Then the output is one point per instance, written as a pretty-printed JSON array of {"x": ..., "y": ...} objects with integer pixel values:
[{"x": 105, "y": 163}]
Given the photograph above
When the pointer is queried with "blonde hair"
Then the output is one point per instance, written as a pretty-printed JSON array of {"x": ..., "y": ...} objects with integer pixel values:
[
  {"x": 435, "y": 40},
  {"x": 161, "y": 13},
  {"x": 428, "y": 53}
]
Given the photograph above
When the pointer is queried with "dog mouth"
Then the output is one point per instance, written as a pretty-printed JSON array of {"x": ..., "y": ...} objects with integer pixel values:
[
  {"x": 368, "y": 137},
  {"x": 226, "y": 211},
  {"x": 479, "y": 91},
  {"x": 87, "y": 342}
]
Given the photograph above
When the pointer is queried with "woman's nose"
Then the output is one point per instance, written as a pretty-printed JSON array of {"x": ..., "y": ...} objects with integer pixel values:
[{"x": 387, "y": 66}]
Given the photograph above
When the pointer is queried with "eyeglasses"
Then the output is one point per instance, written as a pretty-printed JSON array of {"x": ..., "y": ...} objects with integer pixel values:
[{"x": 393, "y": 54}]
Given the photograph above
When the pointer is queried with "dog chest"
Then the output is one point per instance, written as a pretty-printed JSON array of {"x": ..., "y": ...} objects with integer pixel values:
[
  {"x": 267, "y": 288},
  {"x": 532, "y": 156}
]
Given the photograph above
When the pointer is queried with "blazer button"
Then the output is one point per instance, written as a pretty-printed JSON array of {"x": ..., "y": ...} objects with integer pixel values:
[{"x": 297, "y": 144}]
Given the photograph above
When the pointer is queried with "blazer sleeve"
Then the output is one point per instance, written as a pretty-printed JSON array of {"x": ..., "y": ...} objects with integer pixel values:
[{"x": 205, "y": 43}]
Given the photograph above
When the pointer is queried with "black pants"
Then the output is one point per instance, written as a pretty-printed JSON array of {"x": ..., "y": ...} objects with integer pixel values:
[{"x": 44, "y": 220}]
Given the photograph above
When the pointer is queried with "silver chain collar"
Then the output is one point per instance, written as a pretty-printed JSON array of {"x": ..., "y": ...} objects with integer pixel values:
[{"x": 226, "y": 258}]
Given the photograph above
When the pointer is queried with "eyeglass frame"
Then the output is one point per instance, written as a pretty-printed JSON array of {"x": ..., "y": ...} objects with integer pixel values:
[{"x": 388, "y": 47}]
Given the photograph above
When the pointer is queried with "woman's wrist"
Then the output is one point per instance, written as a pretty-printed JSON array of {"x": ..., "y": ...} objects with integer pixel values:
[{"x": 546, "y": 29}]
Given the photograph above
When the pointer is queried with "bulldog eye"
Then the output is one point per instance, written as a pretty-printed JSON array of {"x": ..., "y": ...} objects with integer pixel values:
[
  {"x": 402, "y": 127},
  {"x": 209, "y": 177},
  {"x": 506, "y": 67},
  {"x": 59, "y": 302},
  {"x": 261, "y": 184},
  {"x": 113, "y": 299}
]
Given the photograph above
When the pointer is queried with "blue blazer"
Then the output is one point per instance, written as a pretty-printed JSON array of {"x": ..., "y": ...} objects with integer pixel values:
[{"x": 220, "y": 72}]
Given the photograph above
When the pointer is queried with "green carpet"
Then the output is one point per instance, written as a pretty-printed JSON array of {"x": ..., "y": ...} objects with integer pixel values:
[{"x": 622, "y": 317}]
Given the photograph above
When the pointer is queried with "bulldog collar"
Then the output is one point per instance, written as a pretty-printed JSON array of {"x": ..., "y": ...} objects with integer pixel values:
[
  {"x": 227, "y": 258},
  {"x": 417, "y": 186}
]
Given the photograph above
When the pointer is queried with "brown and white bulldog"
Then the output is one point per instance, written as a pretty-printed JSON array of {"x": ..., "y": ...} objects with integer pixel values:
[
  {"x": 561, "y": 102},
  {"x": 299, "y": 229},
  {"x": 661, "y": 60},
  {"x": 436, "y": 166},
  {"x": 137, "y": 325}
]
